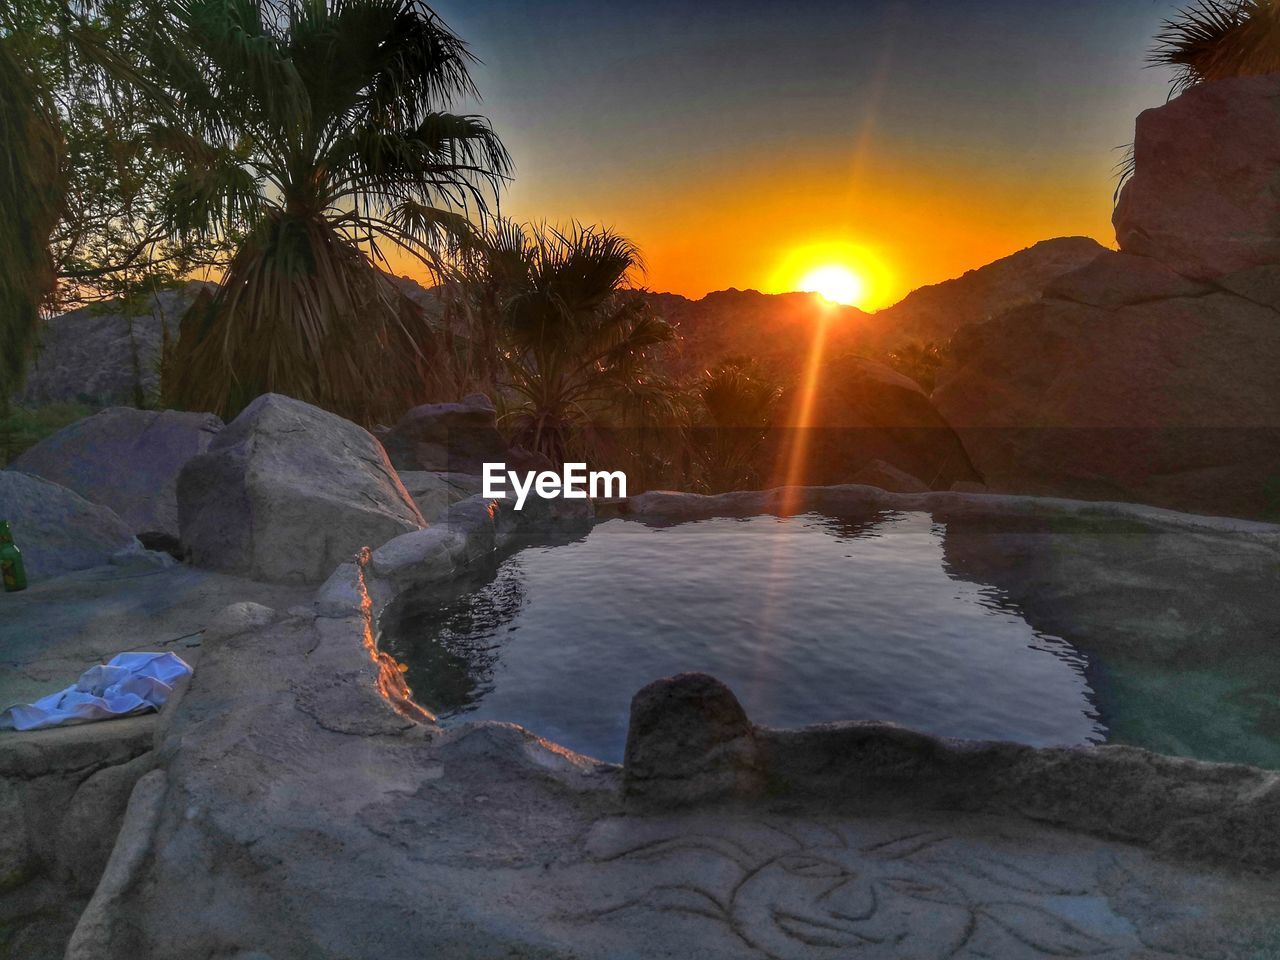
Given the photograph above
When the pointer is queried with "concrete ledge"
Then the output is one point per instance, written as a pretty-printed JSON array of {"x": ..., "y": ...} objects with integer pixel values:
[
  {"x": 1219, "y": 812},
  {"x": 303, "y": 809}
]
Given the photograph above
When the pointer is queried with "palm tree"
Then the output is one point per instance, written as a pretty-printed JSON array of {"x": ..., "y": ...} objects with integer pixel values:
[
  {"x": 32, "y": 190},
  {"x": 738, "y": 401},
  {"x": 1214, "y": 39},
  {"x": 574, "y": 336},
  {"x": 322, "y": 127}
]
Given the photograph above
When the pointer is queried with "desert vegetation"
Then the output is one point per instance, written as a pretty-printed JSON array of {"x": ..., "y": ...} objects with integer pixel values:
[
  {"x": 573, "y": 337},
  {"x": 325, "y": 131},
  {"x": 1216, "y": 39}
]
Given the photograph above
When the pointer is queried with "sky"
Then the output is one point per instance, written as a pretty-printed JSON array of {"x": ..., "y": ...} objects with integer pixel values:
[{"x": 745, "y": 143}]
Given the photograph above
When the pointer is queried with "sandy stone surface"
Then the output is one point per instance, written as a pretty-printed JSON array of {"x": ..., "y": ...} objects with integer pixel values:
[
  {"x": 303, "y": 818},
  {"x": 54, "y": 630}
]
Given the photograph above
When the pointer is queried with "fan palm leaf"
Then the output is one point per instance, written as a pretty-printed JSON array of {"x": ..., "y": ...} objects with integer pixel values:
[
  {"x": 1215, "y": 39},
  {"x": 324, "y": 126},
  {"x": 575, "y": 335},
  {"x": 737, "y": 403},
  {"x": 293, "y": 316}
]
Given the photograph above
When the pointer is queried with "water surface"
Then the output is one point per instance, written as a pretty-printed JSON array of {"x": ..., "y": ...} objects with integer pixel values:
[{"x": 808, "y": 619}]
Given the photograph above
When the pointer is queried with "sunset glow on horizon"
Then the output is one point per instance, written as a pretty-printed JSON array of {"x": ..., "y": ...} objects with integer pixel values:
[
  {"x": 747, "y": 145},
  {"x": 845, "y": 273}
]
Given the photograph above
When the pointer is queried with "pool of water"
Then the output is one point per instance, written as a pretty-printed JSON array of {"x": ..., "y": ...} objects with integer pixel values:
[{"x": 808, "y": 619}]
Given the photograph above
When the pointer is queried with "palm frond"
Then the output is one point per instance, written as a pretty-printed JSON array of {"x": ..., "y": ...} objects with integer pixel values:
[
  {"x": 576, "y": 338},
  {"x": 32, "y": 190},
  {"x": 325, "y": 125},
  {"x": 301, "y": 312},
  {"x": 1215, "y": 39}
]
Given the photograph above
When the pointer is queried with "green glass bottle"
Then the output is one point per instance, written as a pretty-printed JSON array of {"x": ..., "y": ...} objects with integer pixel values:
[{"x": 15, "y": 574}]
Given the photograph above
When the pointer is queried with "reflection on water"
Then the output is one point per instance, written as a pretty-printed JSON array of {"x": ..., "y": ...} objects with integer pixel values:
[{"x": 808, "y": 619}]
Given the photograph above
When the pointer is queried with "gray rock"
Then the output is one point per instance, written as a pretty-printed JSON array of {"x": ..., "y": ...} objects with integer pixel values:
[
  {"x": 106, "y": 353},
  {"x": 430, "y": 554},
  {"x": 342, "y": 595},
  {"x": 689, "y": 740},
  {"x": 287, "y": 492},
  {"x": 88, "y": 830},
  {"x": 57, "y": 530},
  {"x": 16, "y": 862},
  {"x": 1169, "y": 402},
  {"x": 97, "y": 925},
  {"x": 125, "y": 459},
  {"x": 877, "y": 473},
  {"x": 435, "y": 492},
  {"x": 447, "y": 437},
  {"x": 1121, "y": 279},
  {"x": 1203, "y": 198},
  {"x": 238, "y": 618}
]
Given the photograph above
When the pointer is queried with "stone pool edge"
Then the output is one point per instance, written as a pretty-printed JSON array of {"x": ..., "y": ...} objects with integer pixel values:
[
  {"x": 1177, "y": 805},
  {"x": 297, "y": 802}
]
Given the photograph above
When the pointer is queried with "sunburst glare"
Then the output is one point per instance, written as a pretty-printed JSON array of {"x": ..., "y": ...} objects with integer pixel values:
[{"x": 835, "y": 283}]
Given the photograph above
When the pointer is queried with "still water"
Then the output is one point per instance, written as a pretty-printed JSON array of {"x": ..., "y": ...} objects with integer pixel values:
[{"x": 807, "y": 619}]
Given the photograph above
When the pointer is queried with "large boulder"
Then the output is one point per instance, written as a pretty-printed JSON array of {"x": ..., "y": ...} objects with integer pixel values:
[
  {"x": 106, "y": 353},
  {"x": 434, "y": 493},
  {"x": 125, "y": 459},
  {"x": 877, "y": 473},
  {"x": 1205, "y": 193},
  {"x": 287, "y": 491},
  {"x": 689, "y": 740},
  {"x": 57, "y": 530},
  {"x": 861, "y": 412},
  {"x": 447, "y": 437},
  {"x": 1128, "y": 382}
]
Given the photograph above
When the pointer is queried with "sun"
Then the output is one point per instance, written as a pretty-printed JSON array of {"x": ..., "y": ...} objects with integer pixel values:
[
  {"x": 835, "y": 283},
  {"x": 840, "y": 270}
]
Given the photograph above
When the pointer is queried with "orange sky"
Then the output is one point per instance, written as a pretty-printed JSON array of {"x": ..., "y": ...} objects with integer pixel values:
[
  {"x": 899, "y": 224},
  {"x": 744, "y": 144}
]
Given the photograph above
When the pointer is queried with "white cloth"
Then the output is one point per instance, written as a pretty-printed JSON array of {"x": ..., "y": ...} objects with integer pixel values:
[{"x": 130, "y": 683}]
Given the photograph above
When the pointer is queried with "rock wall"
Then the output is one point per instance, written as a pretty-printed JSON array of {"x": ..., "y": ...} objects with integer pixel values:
[
  {"x": 1204, "y": 197},
  {"x": 1149, "y": 375},
  {"x": 1128, "y": 382},
  {"x": 62, "y": 797}
]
